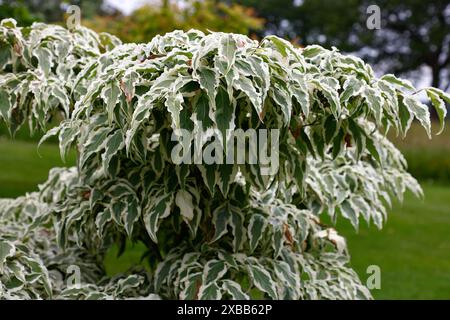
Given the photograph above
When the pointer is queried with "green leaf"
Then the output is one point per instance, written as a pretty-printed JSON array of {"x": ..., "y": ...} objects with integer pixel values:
[
  {"x": 118, "y": 210},
  {"x": 228, "y": 49},
  {"x": 234, "y": 290},
  {"x": 44, "y": 57},
  {"x": 439, "y": 106},
  {"x": 277, "y": 238},
  {"x": 375, "y": 102},
  {"x": 209, "y": 175},
  {"x": 132, "y": 215},
  {"x": 300, "y": 91},
  {"x": 96, "y": 142},
  {"x": 331, "y": 95},
  {"x": 283, "y": 46},
  {"x": 420, "y": 111},
  {"x": 220, "y": 219},
  {"x": 5, "y": 105},
  {"x": 214, "y": 270},
  {"x": 256, "y": 228},
  {"x": 157, "y": 209},
  {"x": 283, "y": 99},
  {"x": 191, "y": 289},
  {"x": 290, "y": 279},
  {"x": 300, "y": 173},
  {"x": 60, "y": 94},
  {"x": 110, "y": 95},
  {"x": 162, "y": 272},
  {"x": 114, "y": 143},
  {"x": 312, "y": 51},
  {"x": 226, "y": 176},
  {"x": 67, "y": 135},
  {"x": 246, "y": 86},
  {"x": 337, "y": 143},
  {"x": 405, "y": 115},
  {"x": 358, "y": 135},
  {"x": 237, "y": 225},
  {"x": 373, "y": 149},
  {"x": 350, "y": 213},
  {"x": 352, "y": 86},
  {"x": 399, "y": 82},
  {"x": 303, "y": 140},
  {"x": 209, "y": 81},
  {"x": 330, "y": 125},
  {"x": 201, "y": 110},
  {"x": 101, "y": 219},
  {"x": 262, "y": 280},
  {"x": 224, "y": 113},
  {"x": 7, "y": 250},
  {"x": 210, "y": 291}
]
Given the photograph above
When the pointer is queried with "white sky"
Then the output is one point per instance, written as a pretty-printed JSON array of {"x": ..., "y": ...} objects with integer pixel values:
[{"x": 127, "y": 6}]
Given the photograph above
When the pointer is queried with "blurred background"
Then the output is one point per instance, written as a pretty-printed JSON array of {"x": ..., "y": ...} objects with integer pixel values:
[{"x": 413, "y": 41}]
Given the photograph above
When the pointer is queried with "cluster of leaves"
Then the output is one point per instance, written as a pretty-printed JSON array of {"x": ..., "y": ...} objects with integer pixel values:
[
  {"x": 287, "y": 255},
  {"x": 33, "y": 266},
  {"x": 358, "y": 187},
  {"x": 39, "y": 67},
  {"x": 225, "y": 230}
]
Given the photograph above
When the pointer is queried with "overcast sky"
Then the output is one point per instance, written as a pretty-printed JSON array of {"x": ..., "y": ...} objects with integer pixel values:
[{"x": 126, "y": 6}]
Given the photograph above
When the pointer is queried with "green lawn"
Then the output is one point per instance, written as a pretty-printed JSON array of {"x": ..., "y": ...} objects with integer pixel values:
[
  {"x": 413, "y": 250},
  {"x": 22, "y": 167}
]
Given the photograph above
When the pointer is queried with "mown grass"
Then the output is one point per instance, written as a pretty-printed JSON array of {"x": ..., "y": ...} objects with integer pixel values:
[
  {"x": 23, "y": 167},
  {"x": 413, "y": 249}
]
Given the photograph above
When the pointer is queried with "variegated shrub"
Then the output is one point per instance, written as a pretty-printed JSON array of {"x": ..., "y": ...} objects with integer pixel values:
[{"x": 212, "y": 231}]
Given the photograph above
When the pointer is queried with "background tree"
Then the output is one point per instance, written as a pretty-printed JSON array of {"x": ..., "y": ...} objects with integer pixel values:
[
  {"x": 146, "y": 22},
  {"x": 27, "y": 11},
  {"x": 20, "y": 13}
]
